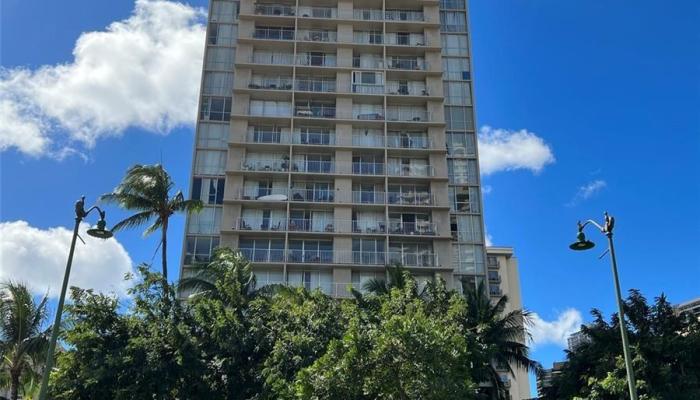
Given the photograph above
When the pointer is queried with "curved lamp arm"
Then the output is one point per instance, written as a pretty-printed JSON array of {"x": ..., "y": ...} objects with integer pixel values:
[{"x": 606, "y": 229}]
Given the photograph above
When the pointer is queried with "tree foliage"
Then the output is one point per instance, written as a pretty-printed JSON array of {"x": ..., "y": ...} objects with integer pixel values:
[{"x": 665, "y": 351}]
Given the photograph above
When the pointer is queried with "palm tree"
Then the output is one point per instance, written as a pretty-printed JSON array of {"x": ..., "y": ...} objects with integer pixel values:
[
  {"x": 396, "y": 278},
  {"x": 146, "y": 189},
  {"x": 22, "y": 339},
  {"x": 499, "y": 338},
  {"x": 226, "y": 266}
]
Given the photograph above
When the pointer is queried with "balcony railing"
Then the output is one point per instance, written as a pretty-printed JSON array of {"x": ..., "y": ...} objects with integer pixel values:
[
  {"x": 318, "y": 12},
  {"x": 315, "y": 167},
  {"x": 401, "y": 15},
  {"x": 315, "y": 111},
  {"x": 263, "y": 112},
  {"x": 367, "y": 141},
  {"x": 309, "y": 256},
  {"x": 369, "y": 116},
  {"x": 265, "y": 165},
  {"x": 315, "y": 85},
  {"x": 358, "y": 62},
  {"x": 334, "y": 225},
  {"x": 411, "y": 198},
  {"x": 410, "y": 90},
  {"x": 367, "y": 38},
  {"x": 273, "y": 34},
  {"x": 263, "y": 194},
  {"x": 326, "y": 60},
  {"x": 272, "y": 59},
  {"x": 326, "y": 139},
  {"x": 404, "y": 40},
  {"x": 367, "y": 168},
  {"x": 413, "y": 142},
  {"x": 367, "y": 14},
  {"x": 264, "y": 255},
  {"x": 421, "y": 259},
  {"x": 317, "y": 35},
  {"x": 410, "y": 170},
  {"x": 418, "y": 65},
  {"x": 368, "y": 197},
  {"x": 274, "y": 9},
  {"x": 257, "y": 224},
  {"x": 271, "y": 83},
  {"x": 266, "y": 136},
  {"x": 312, "y": 195},
  {"x": 423, "y": 228},
  {"x": 367, "y": 88},
  {"x": 407, "y": 115}
]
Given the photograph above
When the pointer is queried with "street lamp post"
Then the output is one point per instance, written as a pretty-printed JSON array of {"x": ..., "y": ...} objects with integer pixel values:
[
  {"x": 99, "y": 231},
  {"x": 583, "y": 244}
]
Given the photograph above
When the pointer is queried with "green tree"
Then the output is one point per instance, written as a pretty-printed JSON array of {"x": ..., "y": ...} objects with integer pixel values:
[
  {"x": 23, "y": 338},
  {"x": 665, "y": 348},
  {"x": 498, "y": 338},
  {"x": 146, "y": 190}
]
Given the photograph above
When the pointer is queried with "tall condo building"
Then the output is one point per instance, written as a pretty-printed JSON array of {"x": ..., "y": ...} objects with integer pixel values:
[{"x": 335, "y": 137}]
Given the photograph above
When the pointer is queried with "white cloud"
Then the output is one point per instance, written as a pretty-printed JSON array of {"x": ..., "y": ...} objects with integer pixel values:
[
  {"x": 555, "y": 332},
  {"x": 506, "y": 150},
  {"x": 38, "y": 258},
  {"x": 587, "y": 191},
  {"x": 143, "y": 72}
]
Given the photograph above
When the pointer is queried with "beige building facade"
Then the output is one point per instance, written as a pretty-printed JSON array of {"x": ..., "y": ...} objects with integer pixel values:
[{"x": 335, "y": 137}]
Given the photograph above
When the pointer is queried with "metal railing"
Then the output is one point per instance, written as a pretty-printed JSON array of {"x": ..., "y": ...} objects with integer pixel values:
[
  {"x": 317, "y": 35},
  {"x": 297, "y": 256},
  {"x": 367, "y": 168},
  {"x": 405, "y": 40},
  {"x": 357, "y": 62},
  {"x": 367, "y": 141},
  {"x": 257, "y": 224},
  {"x": 370, "y": 116},
  {"x": 407, "y": 115},
  {"x": 326, "y": 60},
  {"x": 279, "y": 165},
  {"x": 367, "y": 14},
  {"x": 271, "y": 83},
  {"x": 318, "y": 12},
  {"x": 410, "y": 170},
  {"x": 367, "y": 88},
  {"x": 262, "y": 112},
  {"x": 274, "y": 9},
  {"x": 424, "y": 228},
  {"x": 314, "y": 138},
  {"x": 272, "y": 59},
  {"x": 316, "y": 167},
  {"x": 422, "y": 259},
  {"x": 412, "y": 142},
  {"x": 368, "y": 197},
  {"x": 404, "y": 15},
  {"x": 274, "y": 33},
  {"x": 264, "y": 255},
  {"x": 409, "y": 64},
  {"x": 367, "y": 38},
  {"x": 266, "y": 136},
  {"x": 315, "y": 85},
  {"x": 309, "y": 256},
  {"x": 269, "y": 194},
  {"x": 312, "y": 195},
  {"x": 411, "y": 198},
  {"x": 315, "y": 111},
  {"x": 330, "y": 225},
  {"x": 406, "y": 90}
]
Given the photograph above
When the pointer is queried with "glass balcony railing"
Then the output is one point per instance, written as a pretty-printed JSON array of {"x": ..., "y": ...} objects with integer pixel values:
[
  {"x": 271, "y": 83},
  {"x": 420, "y": 259},
  {"x": 368, "y": 197},
  {"x": 424, "y": 228},
  {"x": 330, "y": 225},
  {"x": 267, "y": 136},
  {"x": 272, "y": 58},
  {"x": 408, "y": 142},
  {"x": 264, "y": 255},
  {"x": 258, "y": 224},
  {"x": 408, "y": 115},
  {"x": 312, "y": 195},
  {"x": 367, "y": 38},
  {"x": 367, "y": 14},
  {"x": 263, "y": 194},
  {"x": 367, "y": 141},
  {"x": 410, "y": 170},
  {"x": 315, "y": 85},
  {"x": 326, "y": 60},
  {"x": 314, "y": 167},
  {"x": 367, "y": 168},
  {"x": 274, "y": 9},
  {"x": 411, "y": 198},
  {"x": 407, "y": 64},
  {"x": 309, "y": 256},
  {"x": 359, "y": 62},
  {"x": 369, "y": 116},
  {"x": 322, "y": 139},
  {"x": 274, "y": 33},
  {"x": 318, "y": 12},
  {"x": 317, "y": 36},
  {"x": 404, "y": 40},
  {"x": 279, "y": 165},
  {"x": 406, "y": 90},
  {"x": 404, "y": 15},
  {"x": 315, "y": 111},
  {"x": 367, "y": 88}
]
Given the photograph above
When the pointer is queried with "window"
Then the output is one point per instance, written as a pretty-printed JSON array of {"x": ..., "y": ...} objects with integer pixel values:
[
  {"x": 452, "y": 4},
  {"x": 453, "y": 21},
  {"x": 270, "y": 108},
  {"x": 220, "y": 58},
  {"x": 212, "y": 135},
  {"x": 222, "y": 34},
  {"x": 468, "y": 259},
  {"x": 461, "y": 171},
  {"x": 368, "y": 251},
  {"x": 418, "y": 254},
  {"x": 205, "y": 222},
  {"x": 459, "y": 118},
  {"x": 461, "y": 144},
  {"x": 464, "y": 199},
  {"x": 454, "y": 45},
  {"x": 262, "y": 250},
  {"x": 455, "y": 69},
  {"x": 224, "y": 11},
  {"x": 215, "y": 109},
  {"x": 209, "y": 162},
  {"x": 466, "y": 228},
  {"x": 264, "y": 277},
  {"x": 312, "y": 280},
  {"x": 458, "y": 93},
  {"x": 217, "y": 83},
  {"x": 208, "y": 190},
  {"x": 310, "y": 251},
  {"x": 199, "y": 249}
]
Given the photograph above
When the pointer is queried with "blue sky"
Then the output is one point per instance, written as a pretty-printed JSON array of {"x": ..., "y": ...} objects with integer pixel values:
[{"x": 612, "y": 91}]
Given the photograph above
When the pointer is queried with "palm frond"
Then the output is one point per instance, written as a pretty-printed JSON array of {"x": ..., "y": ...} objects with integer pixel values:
[{"x": 135, "y": 220}]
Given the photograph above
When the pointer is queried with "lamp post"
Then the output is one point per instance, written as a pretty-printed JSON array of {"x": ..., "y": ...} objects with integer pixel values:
[
  {"x": 99, "y": 231},
  {"x": 583, "y": 244}
]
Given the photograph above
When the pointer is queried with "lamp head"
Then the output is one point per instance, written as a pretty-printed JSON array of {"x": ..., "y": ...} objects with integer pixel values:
[
  {"x": 581, "y": 243},
  {"x": 100, "y": 231}
]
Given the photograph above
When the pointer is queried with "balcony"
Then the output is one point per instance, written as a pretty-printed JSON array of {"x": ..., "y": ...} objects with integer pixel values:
[
  {"x": 286, "y": 33},
  {"x": 409, "y": 142},
  {"x": 411, "y": 198},
  {"x": 267, "y": 58},
  {"x": 367, "y": 14},
  {"x": 309, "y": 256},
  {"x": 407, "y": 115},
  {"x": 267, "y": 136},
  {"x": 262, "y": 194},
  {"x": 317, "y": 35},
  {"x": 367, "y": 88},
  {"x": 263, "y": 255},
  {"x": 407, "y": 64},
  {"x": 326, "y": 60},
  {"x": 410, "y": 259},
  {"x": 314, "y": 138},
  {"x": 258, "y": 225},
  {"x": 395, "y": 39},
  {"x": 367, "y": 38},
  {"x": 369, "y": 116},
  {"x": 367, "y": 168},
  {"x": 494, "y": 278},
  {"x": 315, "y": 111},
  {"x": 420, "y": 228},
  {"x": 314, "y": 167},
  {"x": 312, "y": 195},
  {"x": 412, "y": 89},
  {"x": 315, "y": 85},
  {"x": 323, "y": 225},
  {"x": 367, "y": 141},
  {"x": 274, "y": 9},
  {"x": 404, "y": 15},
  {"x": 279, "y": 165},
  {"x": 410, "y": 170},
  {"x": 318, "y": 12},
  {"x": 271, "y": 83},
  {"x": 368, "y": 197},
  {"x": 371, "y": 63},
  {"x": 495, "y": 291}
]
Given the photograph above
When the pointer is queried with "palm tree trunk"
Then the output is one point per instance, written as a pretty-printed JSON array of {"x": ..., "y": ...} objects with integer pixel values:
[
  {"x": 164, "y": 249},
  {"x": 14, "y": 385}
]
